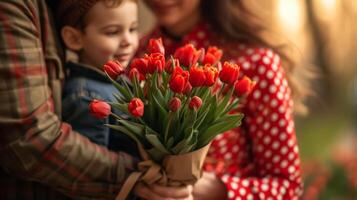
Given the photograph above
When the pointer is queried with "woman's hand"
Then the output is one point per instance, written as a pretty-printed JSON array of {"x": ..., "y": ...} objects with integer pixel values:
[
  {"x": 209, "y": 187},
  {"x": 157, "y": 192}
]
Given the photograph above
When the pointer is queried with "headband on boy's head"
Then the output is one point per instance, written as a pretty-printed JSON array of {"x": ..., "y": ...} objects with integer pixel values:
[{"x": 69, "y": 12}]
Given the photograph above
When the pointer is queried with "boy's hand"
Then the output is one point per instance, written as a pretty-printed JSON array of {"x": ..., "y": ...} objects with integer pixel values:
[{"x": 157, "y": 192}]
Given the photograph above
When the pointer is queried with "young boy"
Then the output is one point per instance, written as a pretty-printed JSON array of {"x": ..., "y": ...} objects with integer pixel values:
[{"x": 97, "y": 31}]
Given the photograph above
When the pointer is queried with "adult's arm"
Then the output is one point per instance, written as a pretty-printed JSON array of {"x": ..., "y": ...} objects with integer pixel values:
[{"x": 34, "y": 144}]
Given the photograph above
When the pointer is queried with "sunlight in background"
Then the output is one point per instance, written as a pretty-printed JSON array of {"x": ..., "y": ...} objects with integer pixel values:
[
  {"x": 326, "y": 9},
  {"x": 290, "y": 15}
]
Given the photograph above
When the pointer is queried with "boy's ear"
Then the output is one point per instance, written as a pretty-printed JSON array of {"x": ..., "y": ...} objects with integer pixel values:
[{"x": 72, "y": 38}]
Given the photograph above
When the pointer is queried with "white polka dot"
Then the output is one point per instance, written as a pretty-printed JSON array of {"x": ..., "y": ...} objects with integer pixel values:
[
  {"x": 256, "y": 94},
  {"x": 246, "y": 65},
  {"x": 266, "y": 125},
  {"x": 259, "y": 119},
  {"x": 223, "y": 150},
  {"x": 245, "y": 183},
  {"x": 282, "y": 109},
  {"x": 272, "y": 89},
  {"x": 282, "y": 136},
  {"x": 274, "y": 116},
  {"x": 238, "y": 198},
  {"x": 276, "y": 158},
  {"x": 234, "y": 185},
  {"x": 282, "y": 190},
  {"x": 265, "y": 187},
  {"x": 263, "y": 84},
  {"x": 270, "y": 54},
  {"x": 274, "y": 103},
  {"x": 274, "y": 66},
  {"x": 284, "y": 150},
  {"x": 291, "y": 156},
  {"x": 266, "y": 98},
  {"x": 274, "y": 191},
  {"x": 261, "y": 195},
  {"x": 275, "y": 184},
  {"x": 242, "y": 191},
  {"x": 266, "y": 60},
  {"x": 267, "y": 154},
  {"x": 290, "y": 143},
  {"x": 250, "y": 51},
  {"x": 270, "y": 74},
  {"x": 286, "y": 183},
  {"x": 235, "y": 148},
  {"x": 255, "y": 57},
  {"x": 280, "y": 95},
  {"x": 282, "y": 122},
  {"x": 296, "y": 149},
  {"x": 250, "y": 197},
  {"x": 225, "y": 178},
  {"x": 276, "y": 81},
  {"x": 274, "y": 131},
  {"x": 283, "y": 164},
  {"x": 228, "y": 156},
  {"x": 261, "y": 69},
  {"x": 267, "y": 140},
  {"x": 230, "y": 194},
  {"x": 275, "y": 145},
  {"x": 222, "y": 142}
]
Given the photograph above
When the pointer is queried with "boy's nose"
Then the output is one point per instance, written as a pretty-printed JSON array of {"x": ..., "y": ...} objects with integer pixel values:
[{"x": 125, "y": 41}]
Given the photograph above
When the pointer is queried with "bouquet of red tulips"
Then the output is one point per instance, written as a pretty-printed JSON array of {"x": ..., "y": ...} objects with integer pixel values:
[{"x": 176, "y": 106}]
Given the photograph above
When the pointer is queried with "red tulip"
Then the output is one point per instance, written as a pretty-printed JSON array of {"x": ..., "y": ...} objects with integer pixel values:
[
  {"x": 197, "y": 76},
  {"x": 136, "y": 107},
  {"x": 187, "y": 88},
  {"x": 175, "y": 104},
  {"x": 187, "y": 55},
  {"x": 141, "y": 64},
  {"x": 156, "y": 46},
  {"x": 212, "y": 56},
  {"x": 134, "y": 72},
  {"x": 156, "y": 62},
  {"x": 229, "y": 73},
  {"x": 211, "y": 75},
  {"x": 243, "y": 86},
  {"x": 179, "y": 79},
  {"x": 99, "y": 109},
  {"x": 113, "y": 69},
  {"x": 171, "y": 64},
  {"x": 195, "y": 103}
]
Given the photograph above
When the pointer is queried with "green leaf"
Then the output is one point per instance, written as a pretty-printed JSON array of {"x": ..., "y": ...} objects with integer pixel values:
[
  {"x": 120, "y": 106},
  {"x": 126, "y": 93},
  {"x": 155, "y": 142},
  {"x": 123, "y": 130},
  {"x": 221, "y": 126},
  {"x": 224, "y": 103}
]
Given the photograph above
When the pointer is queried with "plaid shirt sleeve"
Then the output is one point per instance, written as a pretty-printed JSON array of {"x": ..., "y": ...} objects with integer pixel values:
[{"x": 34, "y": 144}]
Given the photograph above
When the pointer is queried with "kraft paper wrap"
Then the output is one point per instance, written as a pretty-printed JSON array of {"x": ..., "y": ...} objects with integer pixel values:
[{"x": 176, "y": 170}]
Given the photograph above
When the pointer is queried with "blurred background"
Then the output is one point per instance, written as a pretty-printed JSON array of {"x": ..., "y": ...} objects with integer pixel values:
[{"x": 324, "y": 33}]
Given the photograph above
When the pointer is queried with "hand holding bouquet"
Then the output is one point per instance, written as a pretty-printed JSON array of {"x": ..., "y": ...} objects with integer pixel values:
[{"x": 176, "y": 107}]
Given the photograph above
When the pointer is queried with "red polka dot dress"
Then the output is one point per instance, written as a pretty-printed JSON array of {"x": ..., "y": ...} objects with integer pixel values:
[{"x": 260, "y": 159}]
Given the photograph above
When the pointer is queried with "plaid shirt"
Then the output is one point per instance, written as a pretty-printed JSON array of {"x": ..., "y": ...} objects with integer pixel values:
[{"x": 41, "y": 157}]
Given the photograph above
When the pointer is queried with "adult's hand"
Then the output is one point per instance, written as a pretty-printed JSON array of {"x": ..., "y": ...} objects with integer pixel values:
[
  {"x": 157, "y": 192},
  {"x": 209, "y": 187}
]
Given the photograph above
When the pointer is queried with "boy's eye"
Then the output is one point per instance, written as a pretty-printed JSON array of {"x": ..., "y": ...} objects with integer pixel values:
[
  {"x": 115, "y": 32},
  {"x": 133, "y": 29}
]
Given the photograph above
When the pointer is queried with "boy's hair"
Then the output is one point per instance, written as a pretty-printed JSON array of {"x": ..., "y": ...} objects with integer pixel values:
[{"x": 72, "y": 12}]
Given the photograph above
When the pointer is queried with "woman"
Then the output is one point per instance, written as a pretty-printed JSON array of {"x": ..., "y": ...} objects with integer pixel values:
[{"x": 260, "y": 159}]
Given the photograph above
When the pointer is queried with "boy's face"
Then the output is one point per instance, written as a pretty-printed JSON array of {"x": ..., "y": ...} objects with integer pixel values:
[{"x": 110, "y": 32}]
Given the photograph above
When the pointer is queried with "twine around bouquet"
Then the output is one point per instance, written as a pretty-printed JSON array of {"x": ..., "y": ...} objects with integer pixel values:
[{"x": 176, "y": 170}]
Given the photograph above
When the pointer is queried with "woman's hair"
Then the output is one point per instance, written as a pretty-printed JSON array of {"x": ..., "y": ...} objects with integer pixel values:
[{"x": 236, "y": 21}]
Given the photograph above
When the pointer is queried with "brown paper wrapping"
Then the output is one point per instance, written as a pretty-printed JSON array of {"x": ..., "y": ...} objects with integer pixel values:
[{"x": 176, "y": 170}]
